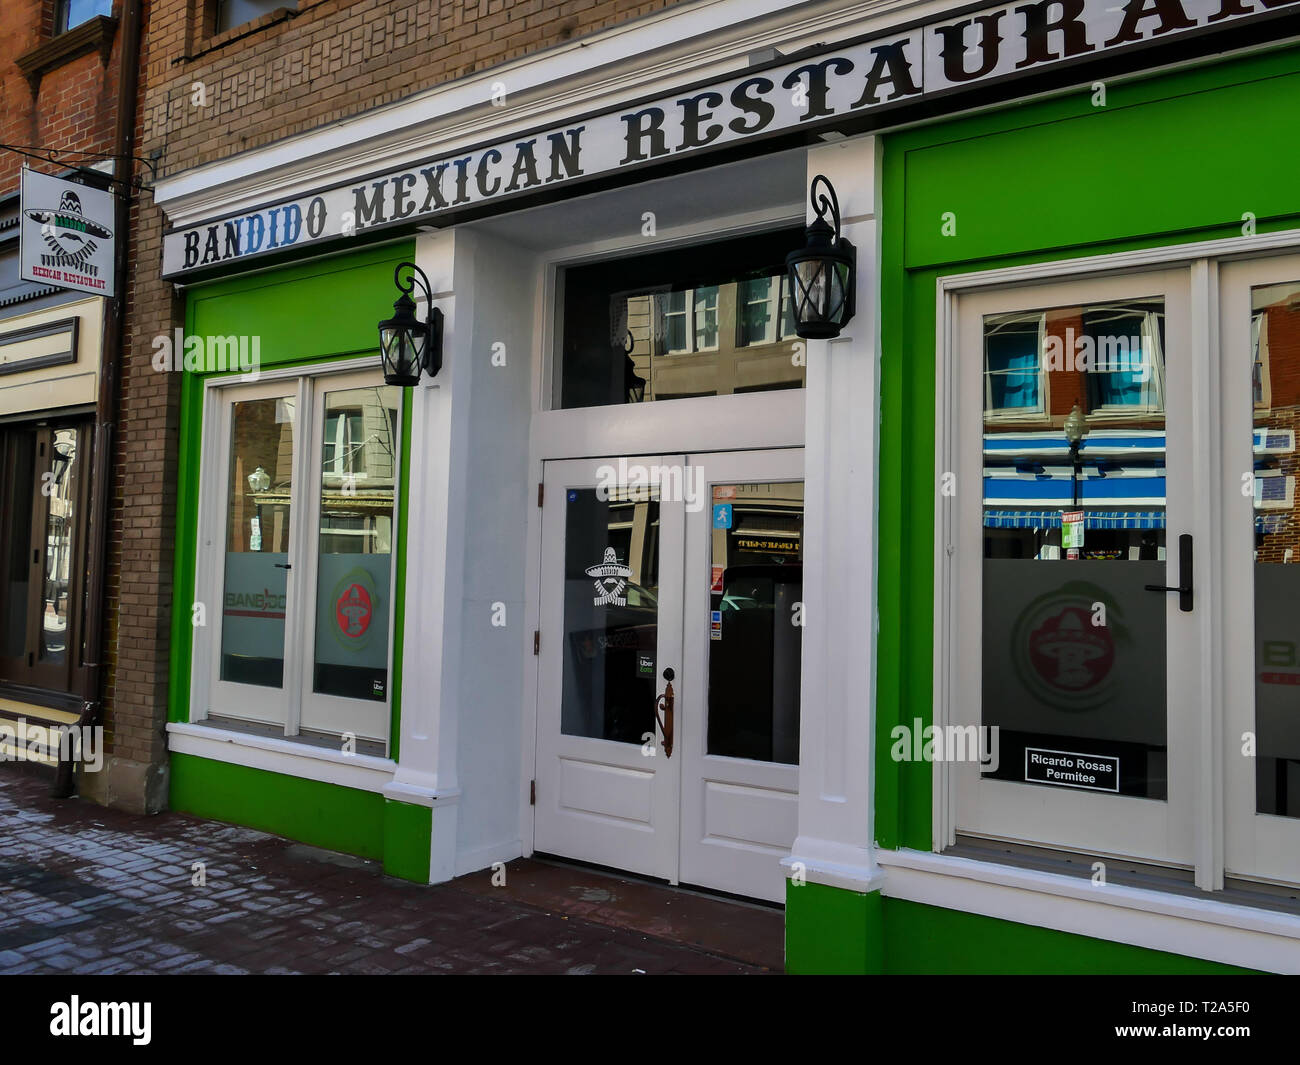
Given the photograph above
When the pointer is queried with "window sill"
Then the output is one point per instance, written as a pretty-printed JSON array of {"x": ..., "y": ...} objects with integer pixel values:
[
  {"x": 1198, "y": 926},
  {"x": 363, "y": 772},
  {"x": 94, "y": 35}
]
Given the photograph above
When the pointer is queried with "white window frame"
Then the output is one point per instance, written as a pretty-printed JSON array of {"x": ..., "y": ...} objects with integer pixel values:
[
  {"x": 689, "y": 314},
  {"x": 775, "y": 331},
  {"x": 1154, "y": 389},
  {"x": 219, "y": 393},
  {"x": 945, "y": 876},
  {"x": 1036, "y": 413}
]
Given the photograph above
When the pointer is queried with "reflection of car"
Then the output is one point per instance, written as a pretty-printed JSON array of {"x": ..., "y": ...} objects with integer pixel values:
[
  {"x": 639, "y": 598},
  {"x": 731, "y": 601}
]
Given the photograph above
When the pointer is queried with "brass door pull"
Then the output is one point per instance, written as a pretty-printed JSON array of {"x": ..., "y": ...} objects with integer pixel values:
[{"x": 665, "y": 719}]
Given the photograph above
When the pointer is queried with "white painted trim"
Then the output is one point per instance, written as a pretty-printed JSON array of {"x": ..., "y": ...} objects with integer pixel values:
[
  {"x": 363, "y": 772},
  {"x": 859, "y": 876},
  {"x": 480, "y": 858},
  {"x": 1180, "y": 924},
  {"x": 1229, "y": 248}
]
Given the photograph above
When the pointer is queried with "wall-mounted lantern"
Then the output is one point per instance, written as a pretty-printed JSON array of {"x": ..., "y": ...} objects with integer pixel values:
[
  {"x": 407, "y": 345},
  {"x": 822, "y": 272}
]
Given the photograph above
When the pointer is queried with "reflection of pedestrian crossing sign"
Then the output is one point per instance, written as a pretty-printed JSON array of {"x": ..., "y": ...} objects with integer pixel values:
[{"x": 722, "y": 515}]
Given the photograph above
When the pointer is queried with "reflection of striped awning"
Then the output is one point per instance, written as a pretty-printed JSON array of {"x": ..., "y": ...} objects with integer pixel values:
[
  {"x": 1092, "y": 519},
  {"x": 1265, "y": 524}
]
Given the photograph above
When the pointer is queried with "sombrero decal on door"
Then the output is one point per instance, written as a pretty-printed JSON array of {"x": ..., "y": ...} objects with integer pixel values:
[{"x": 611, "y": 580}]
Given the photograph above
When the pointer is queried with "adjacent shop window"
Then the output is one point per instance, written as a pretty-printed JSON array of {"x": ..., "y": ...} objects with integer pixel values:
[
  {"x": 309, "y": 490},
  {"x": 232, "y": 13},
  {"x": 72, "y": 13},
  {"x": 755, "y": 637},
  {"x": 709, "y": 320},
  {"x": 1074, "y": 524},
  {"x": 43, "y": 491},
  {"x": 1276, "y": 334}
]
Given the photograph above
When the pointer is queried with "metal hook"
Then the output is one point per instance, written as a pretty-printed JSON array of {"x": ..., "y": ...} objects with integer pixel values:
[{"x": 828, "y": 202}]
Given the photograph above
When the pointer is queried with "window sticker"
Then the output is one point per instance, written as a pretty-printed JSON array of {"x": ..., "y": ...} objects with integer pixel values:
[{"x": 611, "y": 580}]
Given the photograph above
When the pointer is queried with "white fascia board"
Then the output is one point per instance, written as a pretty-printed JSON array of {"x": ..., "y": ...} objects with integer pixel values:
[
  {"x": 643, "y": 58},
  {"x": 1193, "y": 926}
]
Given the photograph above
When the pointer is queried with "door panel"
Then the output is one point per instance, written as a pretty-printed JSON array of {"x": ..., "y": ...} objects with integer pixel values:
[
  {"x": 350, "y": 510},
  {"x": 1072, "y": 484},
  {"x": 741, "y": 667},
  {"x": 1260, "y": 385},
  {"x": 257, "y": 529},
  {"x": 625, "y": 579},
  {"x": 610, "y": 626}
]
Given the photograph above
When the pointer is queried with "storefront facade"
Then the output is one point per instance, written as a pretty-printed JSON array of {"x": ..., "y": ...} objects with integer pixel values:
[{"x": 435, "y": 625}]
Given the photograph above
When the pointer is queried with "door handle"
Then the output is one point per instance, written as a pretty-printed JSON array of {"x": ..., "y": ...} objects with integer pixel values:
[
  {"x": 283, "y": 565},
  {"x": 1184, "y": 589},
  {"x": 665, "y": 719}
]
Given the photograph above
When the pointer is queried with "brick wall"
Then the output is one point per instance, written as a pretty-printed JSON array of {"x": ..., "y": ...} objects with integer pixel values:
[
  {"x": 204, "y": 98},
  {"x": 76, "y": 103}
]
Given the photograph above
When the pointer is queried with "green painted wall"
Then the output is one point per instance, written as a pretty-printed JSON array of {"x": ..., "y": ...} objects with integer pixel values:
[
  {"x": 1167, "y": 160},
  {"x": 323, "y": 310},
  {"x": 343, "y": 819}
]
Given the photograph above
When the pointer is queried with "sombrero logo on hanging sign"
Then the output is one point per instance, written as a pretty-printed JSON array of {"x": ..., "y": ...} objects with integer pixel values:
[
  {"x": 66, "y": 237},
  {"x": 611, "y": 580}
]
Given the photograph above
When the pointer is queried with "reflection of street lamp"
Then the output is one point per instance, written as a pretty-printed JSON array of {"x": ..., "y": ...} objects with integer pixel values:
[
  {"x": 1076, "y": 429},
  {"x": 258, "y": 481},
  {"x": 633, "y": 383}
]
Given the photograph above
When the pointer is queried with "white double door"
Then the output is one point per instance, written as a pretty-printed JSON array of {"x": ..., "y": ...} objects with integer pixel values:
[{"x": 681, "y": 567}]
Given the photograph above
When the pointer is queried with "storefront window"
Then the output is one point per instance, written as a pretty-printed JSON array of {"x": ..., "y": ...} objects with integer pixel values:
[
  {"x": 704, "y": 321},
  {"x": 357, "y": 494},
  {"x": 42, "y": 546},
  {"x": 259, "y": 502}
]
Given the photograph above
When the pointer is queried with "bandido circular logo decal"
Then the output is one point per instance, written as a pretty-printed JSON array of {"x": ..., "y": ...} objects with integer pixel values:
[
  {"x": 1061, "y": 654},
  {"x": 355, "y": 602}
]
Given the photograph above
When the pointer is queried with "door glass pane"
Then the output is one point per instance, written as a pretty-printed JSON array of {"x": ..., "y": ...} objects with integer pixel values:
[
  {"x": 1074, "y": 528},
  {"x": 1275, "y": 372},
  {"x": 59, "y": 527},
  {"x": 258, "y": 498},
  {"x": 357, "y": 485},
  {"x": 755, "y": 621},
  {"x": 611, "y": 613},
  {"x": 19, "y": 490},
  {"x": 711, "y": 320}
]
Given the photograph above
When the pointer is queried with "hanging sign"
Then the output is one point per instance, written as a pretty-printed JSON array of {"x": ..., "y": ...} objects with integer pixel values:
[
  {"x": 66, "y": 234},
  {"x": 893, "y": 69}
]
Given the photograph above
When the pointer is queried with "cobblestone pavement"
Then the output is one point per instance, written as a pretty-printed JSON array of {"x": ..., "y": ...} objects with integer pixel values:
[{"x": 89, "y": 890}]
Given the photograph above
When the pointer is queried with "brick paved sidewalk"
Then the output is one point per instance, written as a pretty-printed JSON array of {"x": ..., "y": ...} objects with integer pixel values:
[{"x": 89, "y": 890}]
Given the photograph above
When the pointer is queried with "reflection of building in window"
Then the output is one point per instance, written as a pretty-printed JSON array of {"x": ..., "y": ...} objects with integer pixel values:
[
  {"x": 1275, "y": 370},
  {"x": 1109, "y": 361},
  {"x": 358, "y": 467},
  {"x": 228, "y": 14},
  {"x": 703, "y": 321}
]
